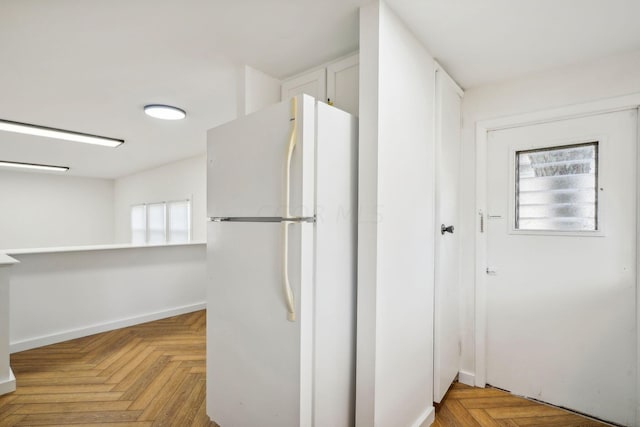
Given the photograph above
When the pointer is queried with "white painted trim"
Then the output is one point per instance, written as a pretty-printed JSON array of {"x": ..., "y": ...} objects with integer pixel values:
[
  {"x": 467, "y": 378},
  {"x": 483, "y": 128},
  {"x": 9, "y": 385},
  {"x": 637, "y": 423},
  {"x": 44, "y": 340},
  {"x": 437, "y": 139},
  {"x": 456, "y": 86},
  {"x": 426, "y": 419},
  {"x": 481, "y": 255},
  {"x": 607, "y": 105}
]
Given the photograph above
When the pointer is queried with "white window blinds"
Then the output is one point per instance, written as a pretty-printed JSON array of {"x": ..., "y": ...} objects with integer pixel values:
[
  {"x": 179, "y": 228},
  {"x": 139, "y": 224},
  {"x": 162, "y": 222},
  {"x": 156, "y": 223}
]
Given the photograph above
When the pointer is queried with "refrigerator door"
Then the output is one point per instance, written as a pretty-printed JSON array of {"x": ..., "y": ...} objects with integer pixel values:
[
  {"x": 259, "y": 364},
  {"x": 249, "y": 162}
]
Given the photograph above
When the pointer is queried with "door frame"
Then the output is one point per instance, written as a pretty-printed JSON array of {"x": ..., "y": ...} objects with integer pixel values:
[{"x": 609, "y": 105}]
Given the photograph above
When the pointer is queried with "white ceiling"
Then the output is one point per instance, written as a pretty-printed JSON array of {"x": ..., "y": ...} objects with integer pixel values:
[
  {"x": 90, "y": 65},
  {"x": 482, "y": 41}
]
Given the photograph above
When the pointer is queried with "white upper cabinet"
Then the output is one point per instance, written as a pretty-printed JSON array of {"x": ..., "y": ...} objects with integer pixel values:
[
  {"x": 313, "y": 83},
  {"x": 336, "y": 84},
  {"x": 342, "y": 84}
]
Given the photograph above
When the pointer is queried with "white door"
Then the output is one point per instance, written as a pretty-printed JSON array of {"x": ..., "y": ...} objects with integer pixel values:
[
  {"x": 447, "y": 250},
  {"x": 258, "y": 372},
  {"x": 342, "y": 84},
  {"x": 561, "y": 255},
  {"x": 247, "y": 159}
]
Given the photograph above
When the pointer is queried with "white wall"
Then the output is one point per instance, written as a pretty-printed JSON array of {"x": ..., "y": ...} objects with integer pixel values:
[
  {"x": 184, "y": 179},
  {"x": 42, "y": 210},
  {"x": 396, "y": 230},
  {"x": 64, "y": 295},
  {"x": 256, "y": 90},
  {"x": 609, "y": 77}
]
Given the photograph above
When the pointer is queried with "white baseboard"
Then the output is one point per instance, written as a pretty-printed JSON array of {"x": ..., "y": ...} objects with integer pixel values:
[
  {"x": 7, "y": 386},
  {"x": 426, "y": 419},
  {"x": 467, "y": 378},
  {"x": 41, "y": 341}
]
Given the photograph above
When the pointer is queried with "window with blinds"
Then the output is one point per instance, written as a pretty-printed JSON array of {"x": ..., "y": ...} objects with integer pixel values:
[
  {"x": 556, "y": 188},
  {"x": 139, "y": 224},
  {"x": 156, "y": 223},
  {"x": 179, "y": 221},
  {"x": 162, "y": 222}
]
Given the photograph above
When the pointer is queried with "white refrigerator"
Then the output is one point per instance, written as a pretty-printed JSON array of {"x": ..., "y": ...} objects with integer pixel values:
[{"x": 281, "y": 296}]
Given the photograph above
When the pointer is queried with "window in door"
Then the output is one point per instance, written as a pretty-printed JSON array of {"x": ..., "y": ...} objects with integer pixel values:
[{"x": 556, "y": 188}]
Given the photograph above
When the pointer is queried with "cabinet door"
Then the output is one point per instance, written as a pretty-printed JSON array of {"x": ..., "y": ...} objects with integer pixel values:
[
  {"x": 314, "y": 84},
  {"x": 342, "y": 84}
]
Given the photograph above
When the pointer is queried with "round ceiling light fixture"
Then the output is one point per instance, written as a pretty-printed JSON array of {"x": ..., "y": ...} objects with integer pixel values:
[{"x": 164, "y": 112}]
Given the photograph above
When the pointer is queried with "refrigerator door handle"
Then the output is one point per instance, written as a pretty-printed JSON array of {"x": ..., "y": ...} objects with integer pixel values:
[{"x": 288, "y": 292}]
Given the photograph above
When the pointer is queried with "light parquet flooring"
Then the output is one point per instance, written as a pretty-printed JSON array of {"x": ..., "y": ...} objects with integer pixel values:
[
  {"x": 469, "y": 406},
  {"x": 154, "y": 375},
  {"x": 151, "y": 374}
]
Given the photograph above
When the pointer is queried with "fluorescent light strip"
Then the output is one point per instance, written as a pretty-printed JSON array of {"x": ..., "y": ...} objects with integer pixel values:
[
  {"x": 33, "y": 166},
  {"x": 47, "y": 132}
]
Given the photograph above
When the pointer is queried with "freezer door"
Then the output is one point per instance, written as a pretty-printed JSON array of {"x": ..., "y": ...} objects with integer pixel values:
[
  {"x": 259, "y": 364},
  {"x": 248, "y": 162}
]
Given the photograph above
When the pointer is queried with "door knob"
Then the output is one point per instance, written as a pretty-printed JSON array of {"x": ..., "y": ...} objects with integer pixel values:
[{"x": 445, "y": 229}]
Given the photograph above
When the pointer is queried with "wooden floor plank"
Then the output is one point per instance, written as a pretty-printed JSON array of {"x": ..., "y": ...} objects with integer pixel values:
[
  {"x": 75, "y": 388},
  {"x": 188, "y": 411},
  {"x": 140, "y": 369},
  {"x": 490, "y": 407},
  {"x": 63, "y": 380},
  {"x": 120, "y": 358},
  {"x": 116, "y": 424},
  {"x": 125, "y": 369},
  {"x": 69, "y": 397},
  {"x": 154, "y": 410},
  {"x": 59, "y": 374},
  {"x": 556, "y": 421},
  {"x": 115, "y": 353},
  {"x": 145, "y": 378},
  {"x": 49, "y": 408},
  {"x": 495, "y": 402},
  {"x": 170, "y": 411},
  {"x": 484, "y": 419},
  {"x": 155, "y": 387},
  {"x": 11, "y": 420},
  {"x": 79, "y": 418},
  {"x": 524, "y": 411}
]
